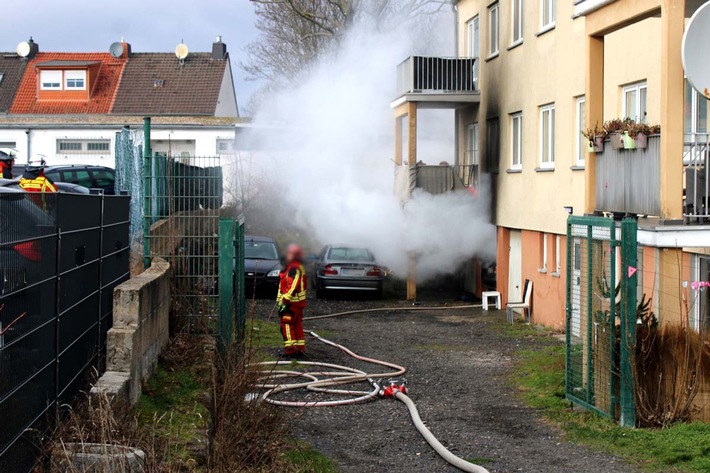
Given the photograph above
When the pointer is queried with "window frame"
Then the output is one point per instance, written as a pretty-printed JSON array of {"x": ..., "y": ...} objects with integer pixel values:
[
  {"x": 516, "y": 22},
  {"x": 74, "y": 75},
  {"x": 84, "y": 146},
  {"x": 473, "y": 44},
  {"x": 516, "y": 164},
  {"x": 636, "y": 87},
  {"x": 493, "y": 12},
  {"x": 43, "y": 84},
  {"x": 543, "y": 253},
  {"x": 548, "y": 7},
  {"x": 471, "y": 157},
  {"x": 547, "y": 161},
  {"x": 580, "y": 112},
  {"x": 558, "y": 254}
]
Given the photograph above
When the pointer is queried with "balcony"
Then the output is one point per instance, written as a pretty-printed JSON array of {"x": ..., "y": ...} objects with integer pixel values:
[
  {"x": 628, "y": 181},
  {"x": 437, "y": 82}
]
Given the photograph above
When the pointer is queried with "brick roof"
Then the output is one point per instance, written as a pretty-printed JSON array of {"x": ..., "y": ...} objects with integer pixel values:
[
  {"x": 12, "y": 67},
  {"x": 191, "y": 88},
  {"x": 101, "y": 97}
]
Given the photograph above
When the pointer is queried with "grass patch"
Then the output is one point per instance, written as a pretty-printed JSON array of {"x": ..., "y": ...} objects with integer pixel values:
[
  {"x": 520, "y": 329},
  {"x": 480, "y": 460},
  {"x": 264, "y": 334},
  {"x": 304, "y": 459},
  {"x": 540, "y": 377}
]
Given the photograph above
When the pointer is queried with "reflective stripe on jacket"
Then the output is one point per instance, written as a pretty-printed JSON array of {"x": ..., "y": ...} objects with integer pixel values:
[
  {"x": 292, "y": 285},
  {"x": 38, "y": 184}
]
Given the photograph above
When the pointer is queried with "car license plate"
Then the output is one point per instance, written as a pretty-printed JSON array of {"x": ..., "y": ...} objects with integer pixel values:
[{"x": 353, "y": 272}]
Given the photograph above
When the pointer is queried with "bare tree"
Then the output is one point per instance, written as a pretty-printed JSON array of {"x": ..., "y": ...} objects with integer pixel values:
[{"x": 294, "y": 33}]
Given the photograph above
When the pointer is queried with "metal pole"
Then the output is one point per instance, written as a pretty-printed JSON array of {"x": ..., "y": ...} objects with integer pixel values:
[
  {"x": 627, "y": 334},
  {"x": 226, "y": 283},
  {"x": 147, "y": 190}
]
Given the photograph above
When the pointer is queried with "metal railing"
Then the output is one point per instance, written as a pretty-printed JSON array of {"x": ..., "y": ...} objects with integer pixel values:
[
  {"x": 420, "y": 74},
  {"x": 696, "y": 180},
  {"x": 61, "y": 256}
]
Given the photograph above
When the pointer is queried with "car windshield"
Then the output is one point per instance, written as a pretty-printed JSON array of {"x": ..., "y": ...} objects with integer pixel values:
[
  {"x": 260, "y": 250},
  {"x": 350, "y": 254}
]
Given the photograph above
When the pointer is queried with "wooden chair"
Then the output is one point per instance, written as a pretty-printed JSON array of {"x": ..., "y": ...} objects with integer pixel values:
[{"x": 524, "y": 305}]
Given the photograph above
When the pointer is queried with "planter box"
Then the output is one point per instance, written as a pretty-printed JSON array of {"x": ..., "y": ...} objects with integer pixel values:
[
  {"x": 617, "y": 141},
  {"x": 641, "y": 141},
  {"x": 596, "y": 145},
  {"x": 629, "y": 143}
]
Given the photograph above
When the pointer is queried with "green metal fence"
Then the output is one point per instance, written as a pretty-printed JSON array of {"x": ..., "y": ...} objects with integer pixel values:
[
  {"x": 232, "y": 297},
  {"x": 601, "y": 309}
]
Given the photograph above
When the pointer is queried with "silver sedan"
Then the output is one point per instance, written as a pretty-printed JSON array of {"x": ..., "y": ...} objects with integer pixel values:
[{"x": 343, "y": 268}]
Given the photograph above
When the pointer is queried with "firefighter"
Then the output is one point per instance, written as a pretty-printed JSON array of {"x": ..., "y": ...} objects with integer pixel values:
[
  {"x": 7, "y": 161},
  {"x": 291, "y": 301},
  {"x": 34, "y": 180}
]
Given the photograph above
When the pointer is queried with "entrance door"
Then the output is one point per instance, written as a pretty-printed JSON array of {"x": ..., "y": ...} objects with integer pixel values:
[
  {"x": 576, "y": 287},
  {"x": 515, "y": 267}
]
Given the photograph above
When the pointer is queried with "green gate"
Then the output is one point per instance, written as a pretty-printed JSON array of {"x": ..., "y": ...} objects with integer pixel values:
[{"x": 601, "y": 315}]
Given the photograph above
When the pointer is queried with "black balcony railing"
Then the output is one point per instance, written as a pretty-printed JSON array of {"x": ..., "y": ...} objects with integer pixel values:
[{"x": 419, "y": 74}]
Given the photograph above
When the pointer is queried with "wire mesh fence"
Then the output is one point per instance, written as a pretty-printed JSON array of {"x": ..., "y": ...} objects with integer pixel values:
[{"x": 60, "y": 260}]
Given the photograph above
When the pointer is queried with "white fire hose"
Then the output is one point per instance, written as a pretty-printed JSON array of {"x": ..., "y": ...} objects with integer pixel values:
[{"x": 331, "y": 377}]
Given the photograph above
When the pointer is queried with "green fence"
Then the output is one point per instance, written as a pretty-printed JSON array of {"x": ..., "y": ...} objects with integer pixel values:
[
  {"x": 601, "y": 310},
  {"x": 232, "y": 297}
]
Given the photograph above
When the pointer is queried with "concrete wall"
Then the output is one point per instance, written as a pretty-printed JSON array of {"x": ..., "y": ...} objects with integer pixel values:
[{"x": 140, "y": 331}]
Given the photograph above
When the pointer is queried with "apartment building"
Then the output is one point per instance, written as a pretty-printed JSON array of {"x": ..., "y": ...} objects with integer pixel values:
[{"x": 545, "y": 70}]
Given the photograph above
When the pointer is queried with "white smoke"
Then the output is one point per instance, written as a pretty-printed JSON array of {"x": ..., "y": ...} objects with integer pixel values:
[{"x": 335, "y": 145}]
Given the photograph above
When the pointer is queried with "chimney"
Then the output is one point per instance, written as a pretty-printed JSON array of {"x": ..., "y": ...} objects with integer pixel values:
[
  {"x": 126, "y": 49},
  {"x": 219, "y": 50},
  {"x": 34, "y": 48}
]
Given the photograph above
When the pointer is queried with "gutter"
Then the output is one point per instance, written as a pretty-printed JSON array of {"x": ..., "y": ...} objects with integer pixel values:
[
  {"x": 109, "y": 126},
  {"x": 580, "y": 10}
]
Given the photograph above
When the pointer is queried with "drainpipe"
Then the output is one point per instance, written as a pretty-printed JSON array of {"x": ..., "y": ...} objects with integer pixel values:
[
  {"x": 457, "y": 147},
  {"x": 455, "y": 9},
  {"x": 27, "y": 132},
  {"x": 147, "y": 191}
]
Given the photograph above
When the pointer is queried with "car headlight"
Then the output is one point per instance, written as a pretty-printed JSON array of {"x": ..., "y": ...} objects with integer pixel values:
[{"x": 274, "y": 273}]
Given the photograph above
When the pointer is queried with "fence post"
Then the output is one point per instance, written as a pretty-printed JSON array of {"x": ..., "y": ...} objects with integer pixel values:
[
  {"x": 147, "y": 190},
  {"x": 239, "y": 279},
  {"x": 568, "y": 308},
  {"x": 226, "y": 282},
  {"x": 627, "y": 334}
]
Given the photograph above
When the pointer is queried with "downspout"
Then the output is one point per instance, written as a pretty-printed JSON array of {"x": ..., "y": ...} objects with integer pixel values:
[
  {"x": 27, "y": 132},
  {"x": 457, "y": 146}
]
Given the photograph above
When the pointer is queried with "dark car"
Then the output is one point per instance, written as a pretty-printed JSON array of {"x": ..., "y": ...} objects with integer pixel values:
[
  {"x": 262, "y": 265},
  {"x": 88, "y": 176},
  {"x": 344, "y": 268}
]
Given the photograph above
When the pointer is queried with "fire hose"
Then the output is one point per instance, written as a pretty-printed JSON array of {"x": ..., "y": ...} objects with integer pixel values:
[{"x": 331, "y": 377}]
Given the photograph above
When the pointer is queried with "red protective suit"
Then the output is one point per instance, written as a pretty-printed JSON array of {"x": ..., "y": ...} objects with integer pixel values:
[{"x": 292, "y": 301}]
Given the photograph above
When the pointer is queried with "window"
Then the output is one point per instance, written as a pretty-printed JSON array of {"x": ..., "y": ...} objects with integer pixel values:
[
  {"x": 1, "y": 77},
  {"x": 8, "y": 144},
  {"x": 493, "y": 30},
  {"x": 547, "y": 136},
  {"x": 696, "y": 114},
  {"x": 492, "y": 145},
  {"x": 517, "y": 18},
  {"x": 471, "y": 159},
  {"x": 225, "y": 146},
  {"x": 543, "y": 253},
  {"x": 558, "y": 260},
  {"x": 101, "y": 147},
  {"x": 50, "y": 80},
  {"x": 516, "y": 138},
  {"x": 633, "y": 102},
  {"x": 472, "y": 46},
  {"x": 75, "y": 80},
  {"x": 582, "y": 144},
  {"x": 548, "y": 14}
]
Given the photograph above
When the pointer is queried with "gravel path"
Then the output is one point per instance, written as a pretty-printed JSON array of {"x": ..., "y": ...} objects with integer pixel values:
[{"x": 458, "y": 369}]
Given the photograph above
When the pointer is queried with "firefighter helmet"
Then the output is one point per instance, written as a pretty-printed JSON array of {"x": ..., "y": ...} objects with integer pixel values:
[{"x": 7, "y": 154}]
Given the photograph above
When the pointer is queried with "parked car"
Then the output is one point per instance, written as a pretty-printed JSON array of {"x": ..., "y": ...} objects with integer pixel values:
[
  {"x": 344, "y": 268},
  {"x": 84, "y": 175},
  {"x": 262, "y": 265},
  {"x": 65, "y": 187}
]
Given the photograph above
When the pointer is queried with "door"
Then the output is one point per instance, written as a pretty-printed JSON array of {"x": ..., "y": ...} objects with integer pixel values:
[
  {"x": 576, "y": 287},
  {"x": 515, "y": 267}
]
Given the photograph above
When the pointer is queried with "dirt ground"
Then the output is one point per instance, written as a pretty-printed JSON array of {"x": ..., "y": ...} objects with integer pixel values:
[{"x": 459, "y": 366}]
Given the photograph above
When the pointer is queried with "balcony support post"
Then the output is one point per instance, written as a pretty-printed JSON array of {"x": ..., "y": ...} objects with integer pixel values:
[
  {"x": 595, "y": 111},
  {"x": 672, "y": 109}
]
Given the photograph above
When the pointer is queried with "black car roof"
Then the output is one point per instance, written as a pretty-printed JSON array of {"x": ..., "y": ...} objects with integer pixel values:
[
  {"x": 258, "y": 238},
  {"x": 61, "y": 167}
]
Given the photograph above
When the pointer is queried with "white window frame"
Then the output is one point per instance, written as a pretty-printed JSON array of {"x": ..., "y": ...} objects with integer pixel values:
[
  {"x": 72, "y": 75},
  {"x": 516, "y": 21},
  {"x": 691, "y": 129},
  {"x": 558, "y": 259},
  {"x": 639, "y": 112},
  {"x": 549, "y": 8},
  {"x": 494, "y": 30},
  {"x": 581, "y": 117},
  {"x": 48, "y": 77},
  {"x": 516, "y": 136},
  {"x": 84, "y": 146},
  {"x": 473, "y": 44},
  {"x": 471, "y": 157},
  {"x": 543, "y": 268},
  {"x": 547, "y": 160}
]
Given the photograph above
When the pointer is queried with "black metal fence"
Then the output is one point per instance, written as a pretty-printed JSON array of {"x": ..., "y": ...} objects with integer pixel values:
[{"x": 61, "y": 256}]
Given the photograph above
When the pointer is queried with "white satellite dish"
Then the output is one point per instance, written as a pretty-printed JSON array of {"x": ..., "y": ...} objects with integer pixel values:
[
  {"x": 181, "y": 51},
  {"x": 24, "y": 49},
  {"x": 695, "y": 50},
  {"x": 116, "y": 49}
]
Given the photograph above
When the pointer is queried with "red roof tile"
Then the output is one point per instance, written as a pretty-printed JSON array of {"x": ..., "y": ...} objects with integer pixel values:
[{"x": 101, "y": 98}]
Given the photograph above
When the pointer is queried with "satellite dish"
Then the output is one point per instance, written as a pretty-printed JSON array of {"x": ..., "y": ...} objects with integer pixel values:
[
  {"x": 181, "y": 51},
  {"x": 24, "y": 49},
  {"x": 116, "y": 50},
  {"x": 694, "y": 51}
]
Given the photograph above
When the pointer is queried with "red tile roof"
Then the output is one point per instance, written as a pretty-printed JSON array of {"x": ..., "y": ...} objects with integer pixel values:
[{"x": 101, "y": 98}]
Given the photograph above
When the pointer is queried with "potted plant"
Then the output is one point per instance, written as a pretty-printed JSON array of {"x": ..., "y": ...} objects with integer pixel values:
[
  {"x": 596, "y": 138},
  {"x": 638, "y": 132},
  {"x": 614, "y": 129}
]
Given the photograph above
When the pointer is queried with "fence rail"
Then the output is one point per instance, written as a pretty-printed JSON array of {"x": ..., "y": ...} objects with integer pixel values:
[
  {"x": 419, "y": 74},
  {"x": 61, "y": 256}
]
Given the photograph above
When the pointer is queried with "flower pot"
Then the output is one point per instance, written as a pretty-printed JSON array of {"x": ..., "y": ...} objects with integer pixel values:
[
  {"x": 598, "y": 144},
  {"x": 629, "y": 143},
  {"x": 641, "y": 141},
  {"x": 617, "y": 140}
]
